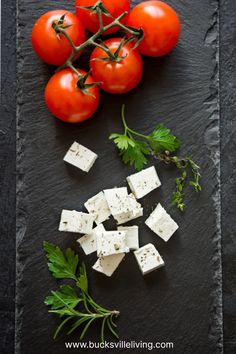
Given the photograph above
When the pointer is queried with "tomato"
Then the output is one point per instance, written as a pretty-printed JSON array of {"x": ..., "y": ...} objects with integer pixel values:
[
  {"x": 117, "y": 76},
  {"x": 51, "y": 47},
  {"x": 66, "y": 101},
  {"x": 161, "y": 27},
  {"x": 90, "y": 19}
]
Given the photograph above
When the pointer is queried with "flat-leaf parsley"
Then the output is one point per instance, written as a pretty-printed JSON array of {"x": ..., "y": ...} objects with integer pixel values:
[
  {"x": 74, "y": 306},
  {"x": 135, "y": 149}
]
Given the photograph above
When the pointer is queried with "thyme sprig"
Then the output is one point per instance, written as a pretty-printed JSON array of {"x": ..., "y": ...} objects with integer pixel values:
[
  {"x": 75, "y": 306},
  {"x": 135, "y": 149}
]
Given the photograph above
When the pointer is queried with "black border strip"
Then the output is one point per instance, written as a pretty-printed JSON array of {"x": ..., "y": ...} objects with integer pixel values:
[{"x": 7, "y": 176}]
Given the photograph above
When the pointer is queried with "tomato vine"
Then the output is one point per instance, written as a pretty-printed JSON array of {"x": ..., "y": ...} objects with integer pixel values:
[{"x": 135, "y": 34}]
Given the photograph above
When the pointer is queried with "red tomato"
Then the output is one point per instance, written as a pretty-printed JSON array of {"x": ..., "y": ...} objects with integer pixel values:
[
  {"x": 117, "y": 76},
  {"x": 91, "y": 21},
  {"x": 66, "y": 101},
  {"x": 161, "y": 27},
  {"x": 51, "y": 47}
]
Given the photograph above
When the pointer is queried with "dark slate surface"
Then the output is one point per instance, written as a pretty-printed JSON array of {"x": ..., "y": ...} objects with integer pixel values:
[
  {"x": 228, "y": 168},
  {"x": 7, "y": 178},
  {"x": 179, "y": 303}
]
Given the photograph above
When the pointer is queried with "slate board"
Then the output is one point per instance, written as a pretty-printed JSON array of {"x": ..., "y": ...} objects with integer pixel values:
[
  {"x": 228, "y": 170},
  {"x": 180, "y": 303}
]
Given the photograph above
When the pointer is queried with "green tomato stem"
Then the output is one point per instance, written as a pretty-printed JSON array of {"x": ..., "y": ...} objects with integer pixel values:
[
  {"x": 94, "y": 37},
  {"x": 64, "y": 32}
]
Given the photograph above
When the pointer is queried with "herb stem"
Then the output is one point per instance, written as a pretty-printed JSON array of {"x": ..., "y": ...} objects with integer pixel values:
[
  {"x": 138, "y": 134},
  {"x": 162, "y": 145},
  {"x": 103, "y": 329},
  {"x": 127, "y": 129},
  {"x": 66, "y": 302}
]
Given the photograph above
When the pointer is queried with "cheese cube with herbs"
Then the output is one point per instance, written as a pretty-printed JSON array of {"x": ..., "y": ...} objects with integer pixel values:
[
  {"x": 135, "y": 211},
  {"x": 89, "y": 242},
  {"x": 107, "y": 265},
  {"x": 117, "y": 200},
  {"x": 161, "y": 223},
  {"x": 126, "y": 217},
  {"x": 144, "y": 182},
  {"x": 74, "y": 221},
  {"x": 81, "y": 157},
  {"x": 148, "y": 258},
  {"x": 132, "y": 236},
  {"x": 111, "y": 242},
  {"x": 97, "y": 206}
]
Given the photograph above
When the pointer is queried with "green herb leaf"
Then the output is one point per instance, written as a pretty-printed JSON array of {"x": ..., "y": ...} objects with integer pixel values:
[
  {"x": 82, "y": 281},
  {"x": 136, "y": 155},
  {"x": 64, "y": 302},
  {"x": 62, "y": 266},
  {"x": 122, "y": 141},
  {"x": 178, "y": 195},
  {"x": 160, "y": 144},
  {"x": 62, "y": 299},
  {"x": 162, "y": 139}
]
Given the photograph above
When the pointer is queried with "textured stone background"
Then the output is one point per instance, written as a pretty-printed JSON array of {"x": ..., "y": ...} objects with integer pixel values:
[{"x": 181, "y": 302}]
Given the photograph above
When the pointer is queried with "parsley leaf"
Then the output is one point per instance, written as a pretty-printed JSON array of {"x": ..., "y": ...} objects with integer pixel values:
[
  {"x": 82, "y": 281},
  {"x": 162, "y": 139},
  {"x": 64, "y": 302},
  {"x": 62, "y": 299},
  {"x": 122, "y": 141},
  {"x": 61, "y": 266},
  {"x": 135, "y": 148},
  {"x": 136, "y": 155}
]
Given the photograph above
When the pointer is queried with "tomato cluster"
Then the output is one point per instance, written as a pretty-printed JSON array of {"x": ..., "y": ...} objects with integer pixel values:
[{"x": 116, "y": 66}]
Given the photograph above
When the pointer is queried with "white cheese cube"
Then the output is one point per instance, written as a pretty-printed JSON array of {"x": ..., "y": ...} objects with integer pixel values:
[
  {"x": 135, "y": 212},
  {"x": 148, "y": 258},
  {"x": 161, "y": 223},
  {"x": 126, "y": 217},
  {"x": 74, "y": 221},
  {"x": 111, "y": 242},
  {"x": 81, "y": 157},
  {"x": 107, "y": 265},
  {"x": 132, "y": 238},
  {"x": 89, "y": 242},
  {"x": 134, "y": 205},
  {"x": 117, "y": 200},
  {"x": 144, "y": 182},
  {"x": 97, "y": 206}
]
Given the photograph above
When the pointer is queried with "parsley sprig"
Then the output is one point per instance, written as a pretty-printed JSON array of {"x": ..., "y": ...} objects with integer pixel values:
[
  {"x": 136, "y": 148},
  {"x": 74, "y": 306}
]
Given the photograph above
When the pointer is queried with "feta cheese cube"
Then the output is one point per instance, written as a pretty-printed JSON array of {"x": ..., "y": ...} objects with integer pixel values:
[
  {"x": 144, "y": 182},
  {"x": 132, "y": 238},
  {"x": 161, "y": 223},
  {"x": 117, "y": 200},
  {"x": 97, "y": 206},
  {"x": 107, "y": 265},
  {"x": 81, "y": 157},
  {"x": 148, "y": 258},
  {"x": 89, "y": 242},
  {"x": 111, "y": 242},
  {"x": 126, "y": 217},
  {"x": 74, "y": 221},
  {"x": 135, "y": 211}
]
